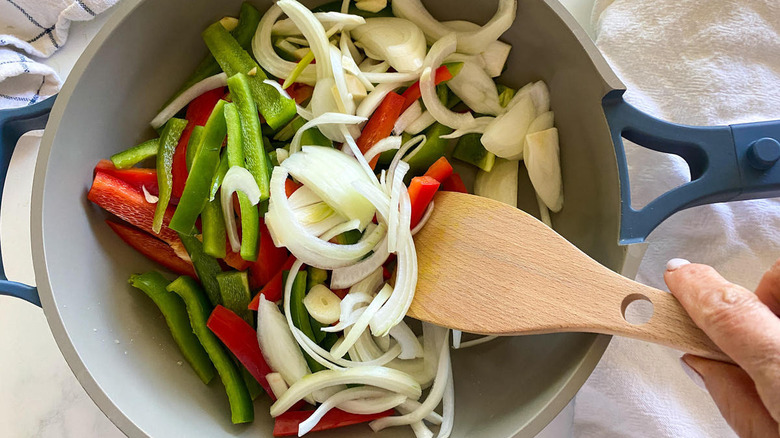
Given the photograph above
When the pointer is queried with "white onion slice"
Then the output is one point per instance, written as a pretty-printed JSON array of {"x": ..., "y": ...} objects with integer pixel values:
[
  {"x": 327, "y": 19},
  {"x": 424, "y": 219},
  {"x": 478, "y": 127},
  {"x": 494, "y": 57},
  {"x": 477, "y": 90},
  {"x": 410, "y": 345},
  {"x": 262, "y": 47},
  {"x": 396, "y": 307},
  {"x": 277, "y": 384},
  {"x": 372, "y": 405},
  {"x": 500, "y": 183},
  {"x": 369, "y": 65},
  {"x": 362, "y": 323},
  {"x": 441, "y": 113},
  {"x": 505, "y": 134},
  {"x": 237, "y": 179},
  {"x": 277, "y": 343},
  {"x": 468, "y": 42},
  {"x": 374, "y": 98},
  {"x": 381, "y": 78},
  {"x": 396, "y": 189},
  {"x": 208, "y": 84},
  {"x": 407, "y": 117},
  {"x": 542, "y": 158},
  {"x": 383, "y": 145},
  {"x": 395, "y": 40},
  {"x": 420, "y": 124},
  {"x": 337, "y": 399},
  {"x": 302, "y": 197},
  {"x": 313, "y": 31},
  {"x": 341, "y": 229},
  {"x": 333, "y": 118},
  {"x": 150, "y": 198},
  {"x": 478, "y": 341},
  {"x": 342, "y": 278}
]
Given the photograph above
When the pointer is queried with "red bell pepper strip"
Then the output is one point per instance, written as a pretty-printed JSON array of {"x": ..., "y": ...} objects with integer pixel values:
[
  {"x": 287, "y": 423},
  {"x": 454, "y": 184},
  {"x": 128, "y": 203},
  {"x": 153, "y": 248},
  {"x": 300, "y": 92},
  {"x": 440, "y": 170},
  {"x": 413, "y": 92},
  {"x": 270, "y": 260},
  {"x": 134, "y": 176},
  {"x": 273, "y": 289},
  {"x": 421, "y": 191},
  {"x": 290, "y": 187},
  {"x": 198, "y": 112},
  {"x": 241, "y": 339},
  {"x": 381, "y": 123},
  {"x": 235, "y": 261}
]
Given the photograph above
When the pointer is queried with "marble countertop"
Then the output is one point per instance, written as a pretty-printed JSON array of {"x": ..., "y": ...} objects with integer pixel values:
[{"x": 39, "y": 395}]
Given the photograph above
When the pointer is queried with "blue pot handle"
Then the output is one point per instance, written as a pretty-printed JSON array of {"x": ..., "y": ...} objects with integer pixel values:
[
  {"x": 727, "y": 163},
  {"x": 13, "y": 124}
]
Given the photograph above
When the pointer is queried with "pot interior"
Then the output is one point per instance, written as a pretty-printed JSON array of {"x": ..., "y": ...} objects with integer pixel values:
[{"x": 117, "y": 342}]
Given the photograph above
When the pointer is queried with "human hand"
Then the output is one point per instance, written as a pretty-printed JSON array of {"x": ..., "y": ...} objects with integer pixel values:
[{"x": 746, "y": 327}]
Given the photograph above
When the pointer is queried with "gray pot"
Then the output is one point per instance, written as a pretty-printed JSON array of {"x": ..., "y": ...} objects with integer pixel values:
[{"x": 514, "y": 385}]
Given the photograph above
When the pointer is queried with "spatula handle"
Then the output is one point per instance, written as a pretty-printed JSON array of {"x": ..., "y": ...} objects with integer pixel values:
[{"x": 669, "y": 324}]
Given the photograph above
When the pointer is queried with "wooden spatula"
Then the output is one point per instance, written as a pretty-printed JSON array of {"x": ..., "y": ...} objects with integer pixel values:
[{"x": 488, "y": 268}]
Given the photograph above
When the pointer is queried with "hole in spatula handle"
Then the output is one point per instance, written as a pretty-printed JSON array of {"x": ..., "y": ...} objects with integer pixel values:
[{"x": 636, "y": 309}]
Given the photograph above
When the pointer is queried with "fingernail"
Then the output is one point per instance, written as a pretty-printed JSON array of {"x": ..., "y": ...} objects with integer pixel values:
[
  {"x": 675, "y": 264},
  {"x": 693, "y": 374}
]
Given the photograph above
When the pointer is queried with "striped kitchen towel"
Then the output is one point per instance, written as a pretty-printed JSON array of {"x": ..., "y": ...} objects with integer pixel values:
[{"x": 36, "y": 28}]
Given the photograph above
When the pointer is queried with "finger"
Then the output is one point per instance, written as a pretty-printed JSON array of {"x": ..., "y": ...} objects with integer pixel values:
[
  {"x": 737, "y": 321},
  {"x": 768, "y": 290},
  {"x": 735, "y": 395}
]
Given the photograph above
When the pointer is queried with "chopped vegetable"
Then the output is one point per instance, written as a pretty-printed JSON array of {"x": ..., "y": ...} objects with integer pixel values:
[
  {"x": 542, "y": 158},
  {"x": 154, "y": 285},
  {"x": 206, "y": 266},
  {"x": 278, "y": 345},
  {"x": 470, "y": 150},
  {"x": 273, "y": 289},
  {"x": 130, "y": 157},
  {"x": 500, "y": 183},
  {"x": 440, "y": 170},
  {"x": 504, "y": 136},
  {"x": 396, "y": 40},
  {"x": 234, "y": 291},
  {"x": 153, "y": 248},
  {"x": 270, "y": 260},
  {"x": 287, "y": 424},
  {"x": 322, "y": 304},
  {"x": 196, "y": 191},
  {"x": 421, "y": 192},
  {"x": 381, "y": 123},
  {"x": 430, "y": 151},
  {"x": 169, "y": 138},
  {"x": 136, "y": 177},
  {"x": 241, "y": 339},
  {"x": 454, "y": 184},
  {"x": 213, "y": 225},
  {"x": 195, "y": 299}
]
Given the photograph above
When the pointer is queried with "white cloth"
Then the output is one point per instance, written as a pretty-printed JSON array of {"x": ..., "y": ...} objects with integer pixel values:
[
  {"x": 699, "y": 63},
  {"x": 38, "y": 28}
]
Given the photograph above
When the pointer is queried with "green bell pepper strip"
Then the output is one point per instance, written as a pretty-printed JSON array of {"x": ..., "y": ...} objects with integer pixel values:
[
  {"x": 169, "y": 139},
  {"x": 213, "y": 224},
  {"x": 248, "y": 19},
  {"x": 234, "y": 289},
  {"x": 204, "y": 166},
  {"x": 255, "y": 156},
  {"x": 153, "y": 284},
  {"x": 276, "y": 109},
  {"x": 192, "y": 145},
  {"x": 241, "y": 408},
  {"x": 316, "y": 276},
  {"x": 130, "y": 157},
  {"x": 205, "y": 265},
  {"x": 250, "y": 219},
  {"x": 216, "y": 182},
  {"x": 300, "y": 315},
  {"x": 433, "y": 149}
]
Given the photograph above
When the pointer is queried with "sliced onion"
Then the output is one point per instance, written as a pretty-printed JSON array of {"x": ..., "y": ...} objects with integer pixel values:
[
  {"x": 396, "y": 189},
  {"x": 478, "y": 127},
  {"x": 424, "y": 219},
  {"x": 287, "y": 231},
  {"x": 341, "y": 229},
  {"x": 262, "y": 47},
  {"x": 542, "y": 158},
  {"x": 302, "y": 197},
  {"x": 380, "y": 377},
  {"x": 544, "y": 212},
  {"x": 277, "y": 343},
  {"x": 365, "y": 348},
  {"x": 410, "y": 346},
  {"x": 382, "y": 146},
  {"x": 372, "y": 405},
  {"x": 374, "y": 98},
  {"x": 456, "y": 337},
  {"x": 329, "y": 118},
  {"x": 277, "y": 384},
  {"x": 420, "y": 124},
  {"x": 468, "y": 42},
  {"x": 433, "y": 399},
  {"x": 441, "y": 113},
  {"x": 342, "y": 278},
  {"x": 313, "y": 31},
  {"x": 504, "y": 136},
  {"x": 407, "y": 117},
  {"x": 150, "y": 198},
  {"x": 396, "y": 307},
  {"x": 494, "y": 57},
  {"x": 208, "y": 84},
  {"x": 500, "y": 183},
  {"x": 341, "y": 81},
  {"x": 381, "y": 78},
  {"x": 395, "y": 40},
  {"x": 414, "y": 142},
  {"x": 327, "y": 19},
  {"x": 477, "y": 90},
  {"x": 371, "y": 5},
  {"x": 448, "y": 407},
  {"x": 369, "y": 65},
  {"x": 478, "y": 341},
  {"x": 318, "y": 218},
  {"x": 337, "y": 399},
  {"x": 362, "y": 323},
  {"x": 237, "y": 179}
]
